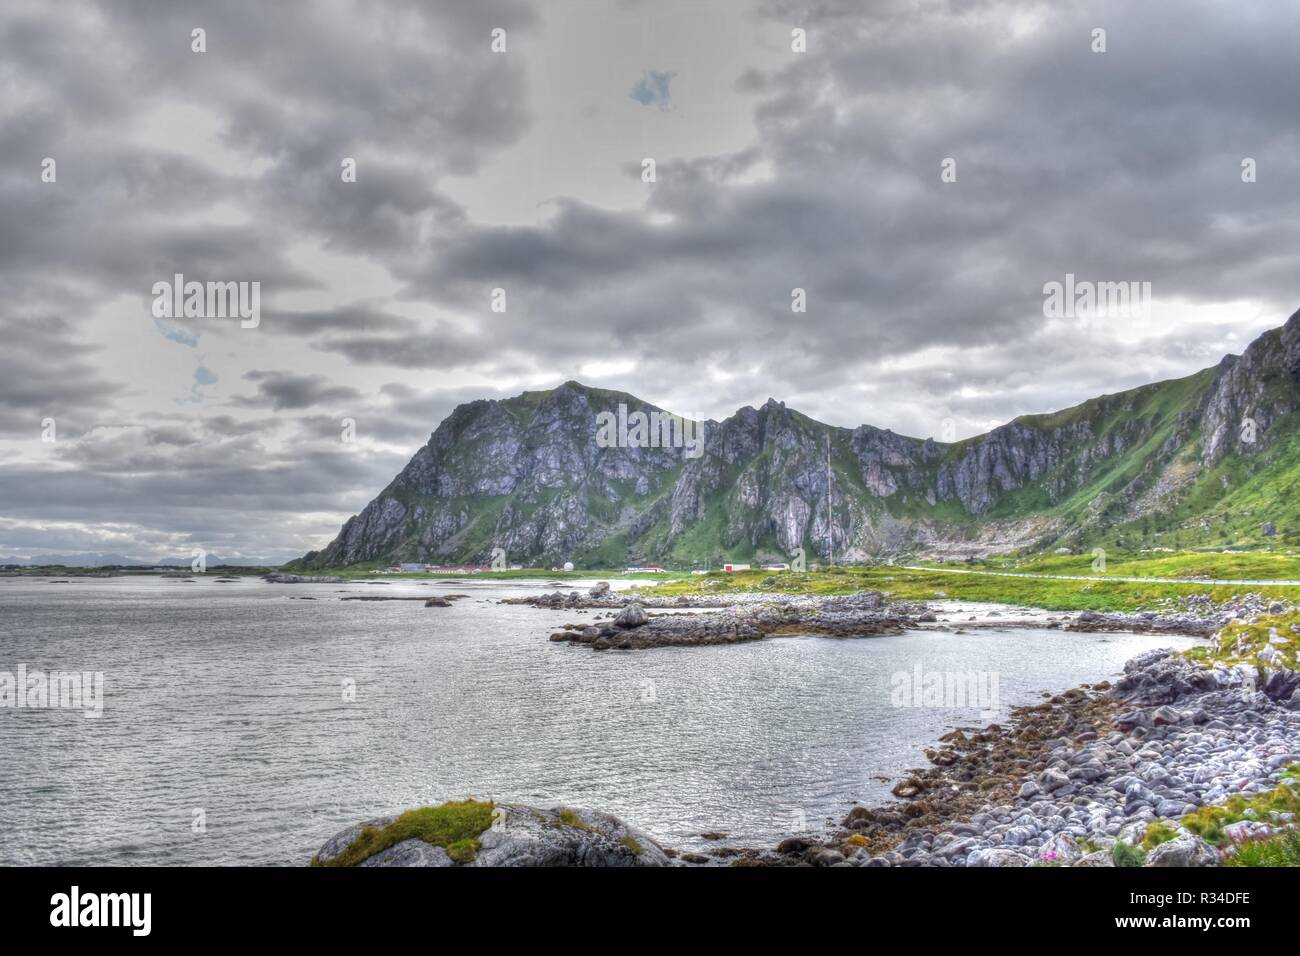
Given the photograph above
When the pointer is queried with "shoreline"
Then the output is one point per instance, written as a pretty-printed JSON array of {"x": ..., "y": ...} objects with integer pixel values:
[
  {"x": 1096, "y": 765},
  {"x": 1063, "y": 780},
  {"x": 645, "y": 620},
  {"x": 1172, "y": 744},
  {"x": 1175, "y": 743}
]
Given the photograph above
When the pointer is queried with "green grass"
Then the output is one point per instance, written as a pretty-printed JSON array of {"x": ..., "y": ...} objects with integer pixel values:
[
  {"x": 571, "y": 819},
  {"x": 1124, "y": 855},
  {"x": 1156, "y": 834},
  {"x": 632, "y": 844},
  {"x": 1141, "y": 420},
  {"x": 1208, "y": 822},
  {"x": 1283, "y": 849},
  {"x": 454, "y": 826},
  {"x": 940, "y": 582},
  {"x": 841, "y": 581},
  {"x": 1242, "y": 641},
  {"x": 1130, "y": 475},
  {"x": 1207, "y": 564},
  {"x": 905, "y": 584},
  {"x": 1054, "y": 595}
]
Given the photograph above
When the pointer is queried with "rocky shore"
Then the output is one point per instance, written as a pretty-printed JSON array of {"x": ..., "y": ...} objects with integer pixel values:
[
  {"x": 726, "y": 619},
  {"x": 1196, "y": 615},
  {"x": 857, "y": 615},
  {"x": 1070, "y": 777},
  {"x": 1061, "y": 784},
  {"x": 1183, "y": 761},
  {"x": 601, "y": 597}
]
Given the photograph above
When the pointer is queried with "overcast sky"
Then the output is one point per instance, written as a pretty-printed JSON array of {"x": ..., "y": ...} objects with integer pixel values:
[{"x": 522, "y": 170}]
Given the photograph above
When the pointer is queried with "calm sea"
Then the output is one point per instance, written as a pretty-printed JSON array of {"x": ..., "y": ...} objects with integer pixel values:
[{"x": 228, "y": 733}]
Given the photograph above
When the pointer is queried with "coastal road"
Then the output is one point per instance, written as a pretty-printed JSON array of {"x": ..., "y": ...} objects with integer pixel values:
[{"x": 1107, "y": 577}]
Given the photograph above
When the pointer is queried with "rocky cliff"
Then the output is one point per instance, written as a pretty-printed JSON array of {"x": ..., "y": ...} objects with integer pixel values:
[{"x": 1173, "y": 463}]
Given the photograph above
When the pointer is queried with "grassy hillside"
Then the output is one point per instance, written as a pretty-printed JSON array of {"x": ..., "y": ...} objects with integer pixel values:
[
  {"x": 1125, "y": 472},
  {"x": 1211, "y": 565}
]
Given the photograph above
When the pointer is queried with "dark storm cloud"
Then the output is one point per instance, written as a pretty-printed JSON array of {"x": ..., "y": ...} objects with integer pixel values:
[
  {"x": 114, "y": 94},
  {"x": 1113, "y": 166},
  {"x": 224, "y": 506},
  {"x": 46, "y": 373},
  {"x": 412, "y": 94},
  {"x": 347, "y": 318},
  {"x": 441, "y": 347},
  {"x": 399, "y": 415},
  {"x": 924, "y": 298},
  {"x": 285, "y": 390}
]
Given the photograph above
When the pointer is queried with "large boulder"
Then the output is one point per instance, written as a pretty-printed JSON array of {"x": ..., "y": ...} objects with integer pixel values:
[
  {"x": 1096, "y": 858},
  {"x": 520, "y": 836},
  {"x": 340, "y": 841},
  {"x": 1186, "y": 849},
  {"x": 410, "y": 853},
  {"x": 566, "y": 836},
  {"x": 996, "y": 856},
  {"x": 633, "y": 615},
  {"x": 1161, "y": 677},
  {"x": 1281, "y": 684}
]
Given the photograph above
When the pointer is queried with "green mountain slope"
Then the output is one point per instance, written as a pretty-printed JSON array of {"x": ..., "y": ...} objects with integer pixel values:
[{"x": 1203, "y": 460}]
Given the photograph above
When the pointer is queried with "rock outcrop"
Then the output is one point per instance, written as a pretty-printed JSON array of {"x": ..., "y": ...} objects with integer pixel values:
[
  {"x": 518, "y": 836},
  {"x": 857, "y": 615},
  {"x": 1069, "y": 779}
]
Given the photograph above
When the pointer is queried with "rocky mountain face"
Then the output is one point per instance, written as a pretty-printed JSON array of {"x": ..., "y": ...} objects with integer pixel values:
[{"x": 536, "y": 477}]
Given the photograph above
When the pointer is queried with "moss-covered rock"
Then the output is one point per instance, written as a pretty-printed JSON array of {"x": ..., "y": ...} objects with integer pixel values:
[
  {"x": 454, "y": 827},
  {"x": 1267, "y": 642},
  {"x": 475, "y": 833}
]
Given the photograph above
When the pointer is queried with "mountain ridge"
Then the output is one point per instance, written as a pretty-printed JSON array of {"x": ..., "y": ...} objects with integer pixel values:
[{"x": 1170, "y": 463}]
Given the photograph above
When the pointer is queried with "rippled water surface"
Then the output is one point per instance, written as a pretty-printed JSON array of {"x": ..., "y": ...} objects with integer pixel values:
[{"x": 228, "y": 697}]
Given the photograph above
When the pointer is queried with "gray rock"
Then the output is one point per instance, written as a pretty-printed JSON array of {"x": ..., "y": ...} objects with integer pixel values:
[
  {"x": 825, "y": 857},
  {"x": 1051, "y": 780},
  {"x": 1186, "y": 849},
  {"x": 1098, "y": 858},
  {"x": 1136, "y": 792},
  {"x": 1062, "y": 849},
  {"x": 566, "y": 836},
  {"x": 1175, "y": 809},
  {"x": 409, "y": 853},
  {"x": 1166, "y": 715},
  {"x": 996, "y": 856},
  {"x": 1088, "y": 772},
  {"x": 1247, "y": 830},
  {"x": 958, "y": 847},
  {"x": 1020, "y": 835},
  {"x": 340, "y": 841},
  {"x": 524, "y": 836},
  {"x": 633, "y": 615},
  {"x": 1132, "y": 833}
]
